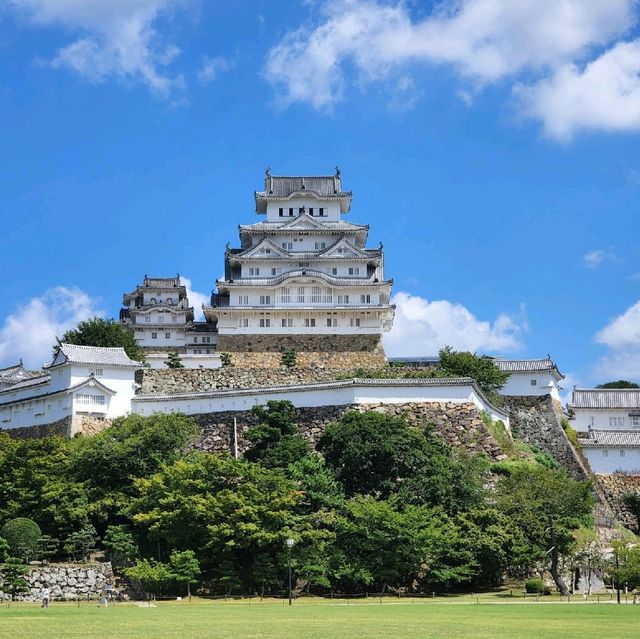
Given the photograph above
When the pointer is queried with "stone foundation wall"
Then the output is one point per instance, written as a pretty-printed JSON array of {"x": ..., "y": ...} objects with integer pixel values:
[
  {"x": 61, "y": 427},
  {"x": 65, "y": 427},
  {"x": 536, "y": 420},
  {"x": 460, "y": 425},
  {"x": 183, "y": 380},
  {"x": 65, "y": 581},
  {"x": 336, "y": 351},
  {"x": 614, "y": 486}
]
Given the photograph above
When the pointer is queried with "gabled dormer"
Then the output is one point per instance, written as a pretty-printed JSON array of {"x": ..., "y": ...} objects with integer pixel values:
[
  {"x": 265, "y": 248},
  {"x": 345, "y": 249}
]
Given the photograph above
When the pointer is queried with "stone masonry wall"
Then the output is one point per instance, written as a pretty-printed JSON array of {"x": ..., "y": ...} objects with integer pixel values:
[
  {"x": 183, "y": 380},
  {"x": 65, "y": 581},
  {"x": 536, "y": 420},
  {"x": 460, "y": 425},
  {"x": 65, "y": 427},
  {"x": 336, "y": 351}
]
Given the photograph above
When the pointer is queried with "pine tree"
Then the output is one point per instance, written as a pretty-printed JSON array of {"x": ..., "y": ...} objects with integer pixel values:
[{"x": 174, "y": 360}]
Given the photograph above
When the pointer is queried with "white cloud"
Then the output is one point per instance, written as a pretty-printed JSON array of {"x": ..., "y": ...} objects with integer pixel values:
[
  {"x": 422, "y": 327},
  {"x": 593, "y": 259},
  {"x": 31, "y": 330},
  {"x": 622, "y": 337},
  {"x": 483, "y": 40},
  {"x": 117, "y": 38},
  {"x": 196, "y": 299},
  {"x": 601, "y": 95},
  {"x": 212, "y": 67}
]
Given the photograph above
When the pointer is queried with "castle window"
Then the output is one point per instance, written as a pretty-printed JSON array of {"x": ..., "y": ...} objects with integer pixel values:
[
  {"x": 311, "y": 211},
  {"x": 332, "y": 321},
  {"x": 208, "y": 351},
  {"x": 285, "y": 296},
  {"x": 96, "y": 372},
  {"x": 281, "y": 212},
  {"x": 334, "y": 271},
  {"x": 635, "y": 420},
  {"x": 534, "y": 382},
  {"x": 152, "y": 300},
  {"x": 243, "y": 300},
  {"x": 301, "y": 295},
  {"x": 265, "y": 322},
  {"x": 90, "y": 400},
  {"x": 310, "y": 322},
  {"x": 243, "y": 322},
  {"x": 161, "y": 319},
  {"x": 254, "y": 271},
  {"x": 154, "y": 335},
  {"x": 265, "y": 299},
  {"x": 622, "y": 452},
  {"x": 320, "y": 245},
  {"x": 195, "y": 339},
  {"x": 321, "y": 212},
  {"x": 287, "y": 322},
  {"x": 275, "y": 271},
  {"x": 605, "y": 452},
  {"x": 327, "y": 296},
  {"x": 167, "y": 335},
  {"x": 287, "y": 246},
  {"x": 169, "y": 301},
  {"x": 147, "y": 319},
  {"x": 365, "y": 299},
  {"x": 616, "y": 421},
  {"x": 290, "y": 212},
  {"x": 315, "y": 295},
  {"x": 354, "y": 321}
]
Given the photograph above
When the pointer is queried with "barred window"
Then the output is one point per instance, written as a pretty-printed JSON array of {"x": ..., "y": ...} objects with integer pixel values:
[
  {"x": 90, "y": 400},
  {"x": 315, "y": 295},
  {"x": 285, "y": 295}
]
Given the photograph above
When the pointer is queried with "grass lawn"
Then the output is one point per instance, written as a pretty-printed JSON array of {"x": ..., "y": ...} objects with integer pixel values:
[{"x": 325, "y": 620}]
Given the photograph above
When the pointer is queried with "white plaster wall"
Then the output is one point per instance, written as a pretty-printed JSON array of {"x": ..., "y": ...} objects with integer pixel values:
[
  {"x": 604, "y": 461},
  {"x": 599, "y": 419},
  {"x": 331, "y": 209},
  {"x": 519, "y": 384},
  {"x": 344, "y": 395},
  {"x": 35, "y": 412}
]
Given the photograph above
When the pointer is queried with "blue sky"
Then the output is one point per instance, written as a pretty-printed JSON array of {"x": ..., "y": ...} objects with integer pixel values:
[{"x": 492, "y": 147}]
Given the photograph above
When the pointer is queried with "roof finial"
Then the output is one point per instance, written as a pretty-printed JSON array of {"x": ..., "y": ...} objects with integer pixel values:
[
  {"x": 337, "y": 171},
  {"x": 268, "y": 171}
]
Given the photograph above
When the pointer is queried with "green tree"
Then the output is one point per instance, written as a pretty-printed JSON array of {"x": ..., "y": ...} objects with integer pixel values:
[
  {"x": 289, "y": 359},
  {"x": 80, "y": 543},
  {"x": 621, "y": 383},
  {"x": 275, "y": 440},
  {"x": 4, "y": 549},
  {"x": 548, "y": 506},
  {"x": 135, "y": 446},
  {"x": 481, "y": 368},
  {"x": 23, "y": 536},
  {"x": 631, "y": 500},
  {"x": 174, "y": 360},
  {"x": 152, "y": 575},
  {"x": 48, "y": 546},
  {"x": 13, "y": 576},
  {"x": 103, "y": 332},
  {"x": 185, "y": 568},
  {"x": 225, "y": 359},
  {"x": 234, "y": 514},
  {"x": 381, "y": 455},
  {"x": 120, "y": 545}
]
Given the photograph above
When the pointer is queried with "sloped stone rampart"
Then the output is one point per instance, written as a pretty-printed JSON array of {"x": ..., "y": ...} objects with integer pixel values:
[
  {"x": 182, "y": 380},
  {"x": 65, "y": 581},
  {"x": 460, "y": 425},
  {"x": 335, "y": 351},
  {"x": 65, "y": 427},
  {"x": 614, "y": 486},
  {"x": 536, "y": 420}
]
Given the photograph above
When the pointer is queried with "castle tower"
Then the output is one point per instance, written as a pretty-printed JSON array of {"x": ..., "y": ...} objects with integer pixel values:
[{"x": 303, "y": 279}]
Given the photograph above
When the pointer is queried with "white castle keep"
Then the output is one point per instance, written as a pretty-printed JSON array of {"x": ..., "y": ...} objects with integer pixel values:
[{"x": 302, "y": 280}]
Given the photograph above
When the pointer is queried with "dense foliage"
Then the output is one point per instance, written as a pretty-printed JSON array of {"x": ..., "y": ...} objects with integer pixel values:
[
  {"x": 381, "y": 505},
  {"x": 621, "y": 383},
  {"x": 22, "y": 536},
  {"x": 103, "y": 332}
]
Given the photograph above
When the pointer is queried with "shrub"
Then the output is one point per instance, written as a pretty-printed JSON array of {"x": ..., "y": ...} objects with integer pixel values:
[
  {"x": 572, "y": 436},
  {"x": 535, "y": 586},
  {"x": 23, "y": 536},
  {"x": 289, "y": 359},
  {"x": 225, "y": 358}
]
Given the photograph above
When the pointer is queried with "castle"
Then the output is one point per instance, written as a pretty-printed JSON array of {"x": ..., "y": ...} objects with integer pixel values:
[{"x": 302, "y": 280}]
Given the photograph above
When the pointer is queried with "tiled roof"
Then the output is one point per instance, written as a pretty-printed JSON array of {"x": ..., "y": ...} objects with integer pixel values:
[
  {"x": 284, "y": 186},
  {"x": 616, "y": 398},
  {"x": 40, "y": 378},
  {"x": 527, "y": 365},
  {"x": 98, "y": 355},
  {"x": 11, "y": 375},
  {"x": 612, "y": 438},
  {"x": 340, "y": 225}
]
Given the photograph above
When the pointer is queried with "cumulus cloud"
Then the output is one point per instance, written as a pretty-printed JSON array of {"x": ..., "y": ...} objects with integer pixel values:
[
  {"x": 593, "y": 259},
  {"x": 31, "y": 330},
  {"x": 423, "y": 327},
  {"x": 211, "y": 68},
  {"x": 196, "y": 299},
  {"x": 117, "y": 38},
  {"x": 484, "y": 41},
  {"x": 601, "y": 95},
  {"x": 622, "y": 337}
]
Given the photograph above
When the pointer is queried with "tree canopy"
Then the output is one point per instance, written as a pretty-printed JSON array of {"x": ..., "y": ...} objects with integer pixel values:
[{"x": 621, "y": 383}]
